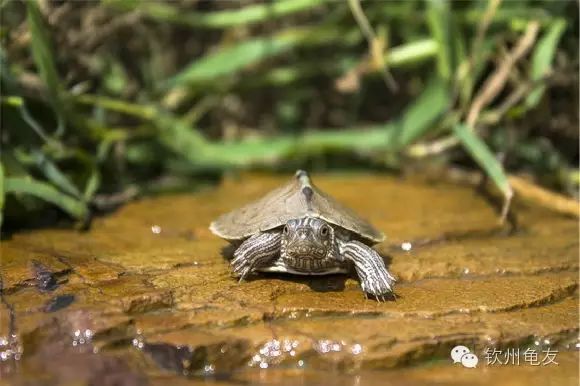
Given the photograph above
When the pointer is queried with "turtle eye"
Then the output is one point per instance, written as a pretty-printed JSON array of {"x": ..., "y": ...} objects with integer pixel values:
[
  {"x": 324, "y": 230},
  {"x": 285, "y": 230}
]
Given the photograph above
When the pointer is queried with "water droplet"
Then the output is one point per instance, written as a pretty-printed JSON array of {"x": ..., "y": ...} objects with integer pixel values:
[
  {"x": 156, "y": 229},
  {"x": 406, "y": 246},
  {"x": 323, "y": 347},
  {"x": 300, "y": 363},
  {"x": 287, "y": 345},
  {"x": 326, "y": 346},
  {"x": 356, "y": 349},
  {"x": 263, "y": 365}
]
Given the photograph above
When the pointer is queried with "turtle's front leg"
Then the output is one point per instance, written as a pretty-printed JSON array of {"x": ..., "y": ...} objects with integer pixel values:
[
  {"x": 370, "y": 267},
  {"x": 256, "y": 251}
]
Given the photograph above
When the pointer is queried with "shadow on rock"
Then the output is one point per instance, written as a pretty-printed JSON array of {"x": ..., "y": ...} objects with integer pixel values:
[
  {"x": 59, "y": 302},
  {"x": 227, "y": 251},
  {"x": 218, "y": 360},
  {"x": 317, "y": 283},
  {"x": 320, "y": 283}
]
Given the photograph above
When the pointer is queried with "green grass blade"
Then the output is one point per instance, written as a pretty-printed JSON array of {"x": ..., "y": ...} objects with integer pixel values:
[
  {"x": 420, "y": 116},
  {"x": 92, "y": 185},
  {"x": 118, "y": 105},
  {"x": 53, "y": 173},
  {"x": 413, "y": 52},
  {"x": 483, "y": 157},
  {"x": 18, "y": 102},
  {"x": 271, "y": 150},
  {"x": 180, "y": 137},
  {"x": 44, "y": 58},
  {"x": 409, "y": 53},
  {"x": 438, "y": 19},
  {"x": 542, "y": 59},
  {"x": 232, "y": 59},
  {"x": 187, "y": 142},
  {"x": 255, "y": 13},
  {"x": 44, "y": 191},
  {"x": 507, "y": 14}
]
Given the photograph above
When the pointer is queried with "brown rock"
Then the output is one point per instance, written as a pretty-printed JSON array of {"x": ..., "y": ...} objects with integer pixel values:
[{"x": 154, "y": 289}]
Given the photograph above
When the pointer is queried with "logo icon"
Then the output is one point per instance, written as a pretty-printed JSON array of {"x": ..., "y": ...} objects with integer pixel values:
[
  {"x": 469, "y": 360},
  {"x": 461, "y": 354}
]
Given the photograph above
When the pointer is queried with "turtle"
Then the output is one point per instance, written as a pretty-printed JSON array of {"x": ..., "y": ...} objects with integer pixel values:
[{"x": 299, "y": 229}]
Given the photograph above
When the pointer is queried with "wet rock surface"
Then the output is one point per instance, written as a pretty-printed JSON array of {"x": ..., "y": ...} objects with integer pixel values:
[{"x": 147, "y": 297}]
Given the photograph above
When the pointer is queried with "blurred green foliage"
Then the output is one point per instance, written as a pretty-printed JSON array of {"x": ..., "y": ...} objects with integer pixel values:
[{"x": 101, "y": 100}]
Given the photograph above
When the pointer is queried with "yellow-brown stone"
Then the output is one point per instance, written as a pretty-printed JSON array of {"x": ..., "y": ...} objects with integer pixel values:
[{"x": 146, "y": 295}]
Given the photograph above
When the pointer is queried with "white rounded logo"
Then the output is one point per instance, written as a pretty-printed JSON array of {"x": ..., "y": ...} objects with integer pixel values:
[
  {"x": 469, "y": 360},
  {"x": 457, "y": 352}
]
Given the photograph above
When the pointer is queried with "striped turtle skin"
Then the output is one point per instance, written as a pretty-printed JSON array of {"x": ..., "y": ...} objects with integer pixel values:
[{"x": 299, "y": 229}]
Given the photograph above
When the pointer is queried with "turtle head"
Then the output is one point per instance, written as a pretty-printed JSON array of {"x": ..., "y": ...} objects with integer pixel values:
[{"x": 307, "y": 238}]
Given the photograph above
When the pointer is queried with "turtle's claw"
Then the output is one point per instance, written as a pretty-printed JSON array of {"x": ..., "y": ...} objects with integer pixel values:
[
  {"x": 241, "y": 267},
  {"x": 244, "y": 273},
  {"x": 374, "y": 277},
  {"x": 380, "y": 291}
]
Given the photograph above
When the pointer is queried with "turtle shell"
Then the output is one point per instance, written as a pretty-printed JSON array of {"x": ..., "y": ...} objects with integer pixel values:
[{"x": 297, "y": 199}]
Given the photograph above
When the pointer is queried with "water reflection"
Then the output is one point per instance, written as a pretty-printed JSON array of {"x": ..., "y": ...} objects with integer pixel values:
[
  {"x": 10, "y": 348},
  {"x": 274, "y": 351},
  {"x": 80, "y": 337}
]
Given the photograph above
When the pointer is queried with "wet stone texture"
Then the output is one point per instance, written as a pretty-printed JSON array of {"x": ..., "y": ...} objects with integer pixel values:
[{"x": 146, "y": 297}]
